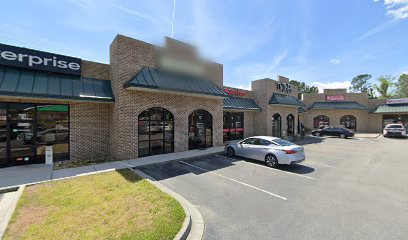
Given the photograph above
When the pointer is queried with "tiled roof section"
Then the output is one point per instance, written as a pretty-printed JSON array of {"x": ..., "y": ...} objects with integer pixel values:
[
  {"x": 169, "y": 81},
  {"x": 400, "y": 108},
  {"x": 39, "y": 84},
  {"x": 241, "y": 104},
  {"x": 338, "y": 105},
  {"x": 285, "y": 100}
]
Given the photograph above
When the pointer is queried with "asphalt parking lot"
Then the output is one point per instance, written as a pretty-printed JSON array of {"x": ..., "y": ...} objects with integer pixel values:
[{"x": 346, "y": 189}]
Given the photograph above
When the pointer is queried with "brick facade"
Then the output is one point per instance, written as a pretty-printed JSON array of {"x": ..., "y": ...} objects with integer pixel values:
[
  {"x": 262, "y": 91},
  {"x": 110, "y": 130},
  {"x": 365, "y": 122},
  {"x": 128, "y": 56}
]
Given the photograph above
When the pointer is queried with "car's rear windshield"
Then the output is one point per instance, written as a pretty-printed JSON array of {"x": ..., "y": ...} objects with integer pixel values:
[
  {"x": 283, "y": 142},
  {"x": 395, "y": 126}
]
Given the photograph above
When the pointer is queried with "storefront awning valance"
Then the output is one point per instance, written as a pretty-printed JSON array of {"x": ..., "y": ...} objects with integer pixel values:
[
  {"x": 338, "y": 105},
  {"x": 285, "y": 100},
  {"x": 403, "y": 108},
  {"x": 163, "y": 81},
  {"x": 38, "y": 84},
  {"x": 241, "y": 104}
]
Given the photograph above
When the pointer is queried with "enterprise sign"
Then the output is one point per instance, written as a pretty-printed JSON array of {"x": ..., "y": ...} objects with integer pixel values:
[{"x": 32, "y": 59}]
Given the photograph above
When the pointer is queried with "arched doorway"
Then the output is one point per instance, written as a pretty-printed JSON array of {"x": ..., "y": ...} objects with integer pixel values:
[
  {"x": 276, "y": 125},
  {"x": 349, "y": 122},
  {"x": 156, "y": 132},
  {"x": 321, "y": 121},
  {"x": 290, "y": 121},
  {"x": 199, "y": 129}
]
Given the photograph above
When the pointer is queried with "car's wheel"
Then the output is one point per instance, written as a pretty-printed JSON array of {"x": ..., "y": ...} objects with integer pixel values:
[
  {"x": 271, "y": 161},
  {"x": 317, "y": 134},
  {"x": 342, "y": 135},
  {"x": 230, "y": 152}
]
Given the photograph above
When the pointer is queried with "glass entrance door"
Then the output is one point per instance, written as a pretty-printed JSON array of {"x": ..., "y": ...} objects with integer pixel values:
[
  {"x": 22, "y": 149},
  {"x": 199, "y": 130},
  {"x": 3, "y": 134}
]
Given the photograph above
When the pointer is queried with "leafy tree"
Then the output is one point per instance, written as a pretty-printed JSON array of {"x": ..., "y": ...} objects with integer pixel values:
[
  {"x": 402, "y": 86},
  {"x": 303, "y": 88},
  {"x": 360, "y": 83},
  {"x": 385, "y": 85}
]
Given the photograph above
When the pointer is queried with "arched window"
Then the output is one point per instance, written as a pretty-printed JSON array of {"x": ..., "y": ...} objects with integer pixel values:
[
  {"x": 321, "y": 121},
  {"x": 276, "y": 125},
  {"x": 156, "y": 132},
  {"x": 349, "y": 121},
  {"x": 199, "y": 129},
  {"x": 290, "y": 121}
]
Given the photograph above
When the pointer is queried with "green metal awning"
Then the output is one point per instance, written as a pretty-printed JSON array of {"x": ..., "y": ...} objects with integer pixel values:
[
  {"x": 400, "y": 108},
  {"x": 53, "y": 108},
  {"x": 157, "y": 80},
  {"x": 20, "y": 82},
  {"x": 338, "y": 105},
  {"x": 237, "y": 103},
  {"x": 285, "y": 100},
  {"x": 301, "y": 110}
]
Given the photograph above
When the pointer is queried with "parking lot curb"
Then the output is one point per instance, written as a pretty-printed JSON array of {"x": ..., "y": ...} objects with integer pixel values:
[
  {"x": 193, "y": 225},
  {"x": 176, "y": 159},
  {"x": 9, "y": 204}
]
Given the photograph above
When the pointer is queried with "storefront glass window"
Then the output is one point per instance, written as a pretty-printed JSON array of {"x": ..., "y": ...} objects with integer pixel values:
[
  {"x": 395, "y": 118},
  {"x": 156, "y": 132},
  {"x": 199, "y": 129},
  {"x": 290, "y": 120},
  {"x": 349, "y": 122},
  {"x": 233, "y": 126},
  {"x": 321, "y": 121},
  {"x": 3, "y": 134},
  {"x": 276, "y": 125},
  {"x": 53, "y": 129},
  {"x": 26, "y": 130}
]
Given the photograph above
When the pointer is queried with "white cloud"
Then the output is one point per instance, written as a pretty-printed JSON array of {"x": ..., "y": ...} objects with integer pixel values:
[
  {"x": 132, "y": 12},
  {"x": 331, "y": 85},
  {"x": 221, "y": 37},
  {"x": 377, "y": 29},
  {"x": 335, "y": 61},
  {"x": 398, "y": 9},
  {"x": 255, "y": 71}
]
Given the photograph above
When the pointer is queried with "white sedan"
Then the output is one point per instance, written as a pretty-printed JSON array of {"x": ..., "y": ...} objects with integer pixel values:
[{"x": 271, "y": 150}]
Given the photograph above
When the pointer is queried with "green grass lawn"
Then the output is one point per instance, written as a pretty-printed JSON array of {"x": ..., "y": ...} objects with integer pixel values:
[{"x": 112, "y": 205}]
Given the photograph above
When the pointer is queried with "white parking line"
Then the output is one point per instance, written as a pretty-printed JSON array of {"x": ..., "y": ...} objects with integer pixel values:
[
  {"x": 274, "y": 169},
  {"x": 319, "y": 164},
  {"x": 231, "y": 179}
]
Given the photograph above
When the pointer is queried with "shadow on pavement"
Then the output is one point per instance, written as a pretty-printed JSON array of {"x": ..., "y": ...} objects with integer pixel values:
[
  {"x": 297, "y": 168},
  {"x": 308, "y": 140},
  {"x": 177, "y": 168}
]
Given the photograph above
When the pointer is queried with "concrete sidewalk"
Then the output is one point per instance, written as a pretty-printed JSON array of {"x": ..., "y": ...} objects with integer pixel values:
[
  {"x": 21, "y": 175},
  {"x": 367, "y": 135}
]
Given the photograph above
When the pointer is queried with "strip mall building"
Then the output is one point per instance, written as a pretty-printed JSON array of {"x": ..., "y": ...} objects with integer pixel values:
[{"x": 153, "y": 100}]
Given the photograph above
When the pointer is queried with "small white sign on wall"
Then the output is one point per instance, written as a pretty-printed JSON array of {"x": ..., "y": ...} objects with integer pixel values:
[{"x": 48, "y": 154}]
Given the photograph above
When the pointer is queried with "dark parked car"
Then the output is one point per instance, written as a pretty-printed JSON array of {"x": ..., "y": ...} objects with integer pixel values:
[{"x": 333, "y": 131}]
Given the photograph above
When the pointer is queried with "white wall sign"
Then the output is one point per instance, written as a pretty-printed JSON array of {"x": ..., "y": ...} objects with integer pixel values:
[
  {"x": 48, "y": 154},
  {"x": 396, "y": 101}
]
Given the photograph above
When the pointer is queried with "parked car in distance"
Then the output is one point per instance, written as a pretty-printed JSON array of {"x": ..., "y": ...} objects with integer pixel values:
[
  {"x": 394, "y": 130},
  {"x": 333, "y": 131},
  {"x": 271, "y": 150}
]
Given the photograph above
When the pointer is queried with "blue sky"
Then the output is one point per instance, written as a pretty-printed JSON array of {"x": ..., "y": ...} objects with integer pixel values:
[{"x": 324, "y": 43}]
